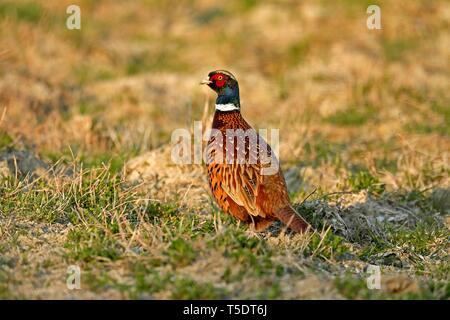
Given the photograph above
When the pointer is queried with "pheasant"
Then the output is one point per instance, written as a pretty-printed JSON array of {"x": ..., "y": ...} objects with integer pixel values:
[{"x": 243, "y": 172}]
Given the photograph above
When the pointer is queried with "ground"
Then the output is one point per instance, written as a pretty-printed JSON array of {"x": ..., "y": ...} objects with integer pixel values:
[{"x": 86, "y": 118}]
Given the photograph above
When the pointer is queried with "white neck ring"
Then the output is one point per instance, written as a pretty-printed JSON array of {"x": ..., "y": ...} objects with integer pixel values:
[{"x": 227, "y": 107}]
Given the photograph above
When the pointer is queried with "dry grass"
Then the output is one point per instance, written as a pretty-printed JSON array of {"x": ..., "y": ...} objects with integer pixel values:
[{"x": 85, "y": 125}]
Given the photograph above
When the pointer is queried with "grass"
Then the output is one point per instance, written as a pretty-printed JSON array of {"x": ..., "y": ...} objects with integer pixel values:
[
  {"x": 85, "y": 245},
  {"x": 5, "y": 140},
  {"x": 395, "y": 49},
  {"x": 298, "y": 51},
  {"x": 363, "y": 180},
  {"x": 105, "y": 219},
  {"x": 145, "y": 62},
  {"x": 439, "y": 125},
  {"x": 353, "y": 116},
  {"x": 363, "y": 118},
  {"x": 149, "y": 282},
  {"x": 25, "y": 11},
  {"x": 180, "y": 253},
  {"x": 85, "y": 74},
  {"x": 356, "y": 288}
]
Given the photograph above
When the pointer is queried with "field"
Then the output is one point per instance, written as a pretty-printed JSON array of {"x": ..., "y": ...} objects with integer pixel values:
[{"x": 86, "y": 178}]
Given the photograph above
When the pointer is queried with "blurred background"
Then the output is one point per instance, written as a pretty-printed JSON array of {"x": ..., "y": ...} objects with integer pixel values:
[
  {"x": 122, "y": 83},
  {"x": 362, "y": 113}
]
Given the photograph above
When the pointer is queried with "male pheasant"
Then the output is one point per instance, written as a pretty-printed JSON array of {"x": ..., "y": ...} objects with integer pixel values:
[{"x": 243, "y": 172}]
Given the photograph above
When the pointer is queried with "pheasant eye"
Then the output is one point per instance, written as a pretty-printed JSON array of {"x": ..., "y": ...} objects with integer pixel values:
[{"x": 219, "y": 78}]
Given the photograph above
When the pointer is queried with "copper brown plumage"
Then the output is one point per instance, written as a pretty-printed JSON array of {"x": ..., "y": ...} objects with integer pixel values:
[{"x": 236, "y": 160}]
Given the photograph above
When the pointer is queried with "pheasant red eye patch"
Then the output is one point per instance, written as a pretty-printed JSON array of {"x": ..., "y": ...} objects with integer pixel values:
[{"x": 219, "y": 79}]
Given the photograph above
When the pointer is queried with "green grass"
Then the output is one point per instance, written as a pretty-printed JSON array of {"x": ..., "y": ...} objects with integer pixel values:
[
  {"x": 189, "y": 289},
  {"x": 90, "y": 108},
  {"x": 394, "y": 50},
  {"x": 96, "y": 191},
  {"x": 320, "y": 151},
  {"x": 89, "y": 244},
  {"x": 5, "y": 293},
  {"x": 113, "y": 161},
  {"x": 149, "y": 282},
  {"x": 298, "y": 51},
  {"x": 354, "y": 287},
  {"x": 423, "y": 240},
  {"x": 441, "y": 126},
  {"x": 5, "y": 140},
  {"x": 359, "y": 4},
  {"x": 329, "y": 246},
  {"x": 104, "y": 214},
  {"x": 210, "y": 15},
  {"x": 376, "y": 199},
  {"x": 180, "y": 253},
  {"x": 99, "y": 210},
  {"x": 160, "y": 61},
  {"x": 25, "y": 11},
  {"x": 353, "y": 116},
  {"x": 363, "y": 180},
  {"x": 84, "y": 74},
  {"x": 426, "y": 128}
]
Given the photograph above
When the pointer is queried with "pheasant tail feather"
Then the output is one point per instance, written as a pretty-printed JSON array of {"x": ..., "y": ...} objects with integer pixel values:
[{"x": 292, "y": 219}]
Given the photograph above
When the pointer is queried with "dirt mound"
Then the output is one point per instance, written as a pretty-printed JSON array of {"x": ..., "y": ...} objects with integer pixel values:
[
  {"x": 361, "y": 217},
  {"x": 157, "y": 175}
]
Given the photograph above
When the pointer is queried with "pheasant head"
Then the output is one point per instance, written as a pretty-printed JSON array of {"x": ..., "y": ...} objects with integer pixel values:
[{"x": 227, "y": 89}]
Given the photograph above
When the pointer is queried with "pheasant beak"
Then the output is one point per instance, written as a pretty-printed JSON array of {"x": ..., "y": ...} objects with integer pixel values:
[{"x": 206, "y": 81}]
